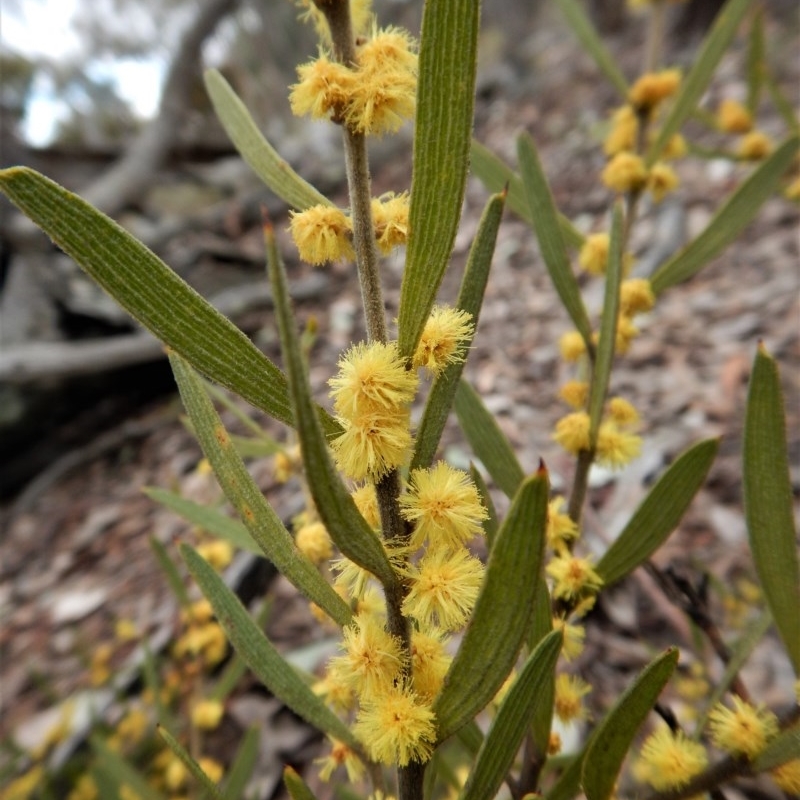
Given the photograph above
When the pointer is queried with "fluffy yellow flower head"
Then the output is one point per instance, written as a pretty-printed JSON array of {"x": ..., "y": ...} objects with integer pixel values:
[
  {"x": 622, "y": 411},
  {"x": 572, "y": 432},
  {"x": 324, "y": 89},
  {"x": 372, "y": 378},
  {"x": 593, "y": 256},
  {"x": 218, "y": 553},
  {"x": 675, "y": 147},
  {"x": 314, "y": 541},
  {"x": 429, "y": 661},
  {"x": 573, "y": 637},
  {"x": 636, "y": 296},
  {"x": 570, "y": 691},
  {"x": 733, "y": 117},
  {"x": 340, "y": 756},
  {"x": 625, "y": 172},
  {"x": 615, "y": 446},
  {"x": 444, "y": 505},
  {"x": 322, "y": 234},
  {"x": 396, "y": 727},
  {"x": 743, "y": 730},
  {"x": 373, "y": 444},
  {"x": 207, "y": 714},
  {"x": 444, "y": 588},
  {"x": 571, "y": 346},
  {"x": 360, "y": 16},
  {"x": 572, "y": 576},
  {"x": 754, "y": 146},
  {"x": 623, "y": 133},
  {"x": 560, "y": 528},
  {"x": 575, "y": 394},
  {"x": 390, "y": 218},
  {"x": 212, "y": 768},
  {"x": 443, "y": 339},
  {"x": 654, "y": 87},
  {"x": 367, "y": 504},
  {"x": 661, "y": 180},
  {"x": 787, "y": 776},
  {"x": 670, "y": 760}
]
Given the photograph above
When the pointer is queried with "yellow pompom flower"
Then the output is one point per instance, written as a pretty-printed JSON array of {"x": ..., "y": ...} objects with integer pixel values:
[
  {"x": 218, "y": 553},
  {"x": 572, "y": 576},
  {"x": 570, "y": 691},
  {"x": 351, "y": 578},
  {"x": 207, "y": 714},
  {"x": 322, "y": 234},
  {"x": 212, "y": 768},
  {"x": 661, "y": 180},
  {"x": 314, "y": 541},
  {"x": 338, "y": 694},
  {"x": 444, "y": 588},
  {"x": 675, "y": 147},
  {"x": 754, "y": 146},
  {"x": 787, "y": 776},
  {"x": 743, "y": 730},
  {"x": 670, "y": 760},
  {"x": 571, "y": 346},
  {"x": 340, "y": 756},
  {"x": 573, "y": 637},
  {"x": 372, "y": 378},
  {"x": 625, "y": 172},
  {"x": 443, "y": 339},
  {"x": 373, "y": 444},
  {"x": 430, "y": 662},
  {"x": 444, "y": 505},
  {"x": 733, "y": 117},
  {"x": 367, "y": 504},
  {"x": 390, "y": 219},
  {"x": 593, "y": 256},
  {"x": 624, "y": 131},
  {"x": 652, "y": 88},
  {"x": 390, "y": 47},
  {"x": 396, "y": 727},
  {"x": 626, "y": 333},
  {"x": 575, "y": 393},
  {"x": 616, "y": 447},
  {"x": 792, "y": 191},
  {"x": 635, "y": 297},
  {"x": 572, "y": 432},
  {"x": 324, "y": 89},
  {"x": 372, "y": 658},
  {"x": 622, "y": 411},
  {"x": 561, "y": 529}
]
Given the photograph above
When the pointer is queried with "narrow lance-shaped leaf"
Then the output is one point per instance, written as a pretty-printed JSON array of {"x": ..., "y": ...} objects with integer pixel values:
[
  {"x": 499, "y": 621},
  {"x": 604, "y": 356},
  {"x": 768, "y": 501},
  {"x": 298, "y": 789},
  {"x": 260, "y": 155},
  {"x": 756, "y": 61},
  {"x": 696, "y": 82},
  {"x": 264, "y": 660},
  {"x": 170, "y": 572},
  {"x": 151, "y": 292},
  {"x": 548, "y": 232},
  {"x": 490, "y": 524},
  {"x": 487, "y": 440},
  {"x": 121, "y": 772},
  {"x": 784, "y": 747},
  {"x": 243, "y": 764},
  {"x": 593, "y": 44},
  {"x": 497, "y": 176},
  {"x": 195, "y": 770},
  {"x": 470, "y": 298},
  {"x": 612, "y": 739},
  {"x": 729, "y": 221},
  {"x": 442, "y": 133},
  {"x": 348, "y": 529},
  {"x": 241, "y": 491},
  {"x": 659, "y": 513},
  {"x": 503, "y": 739}
]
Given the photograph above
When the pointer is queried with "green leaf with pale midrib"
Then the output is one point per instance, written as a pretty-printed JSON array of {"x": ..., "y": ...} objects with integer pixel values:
[
  {"x": 259, "y": 154},
  {"x": 151, "y": 292},
  {"x": 470, "y": 298},
  {"x": 728, "y": 222},
  {"x": 612, "y": 739},
  {"x": 527, "y": 693},
  {"x": 501, "y": 613},
  {"x": 659, "y": 513},
  {"x": 443, "y": 128},
  {"x": 264, "y": 660},
  {"x": 487, "y": 440},
  {"x": 241, "y": 491},
  {"x": 768, "y": 505}
]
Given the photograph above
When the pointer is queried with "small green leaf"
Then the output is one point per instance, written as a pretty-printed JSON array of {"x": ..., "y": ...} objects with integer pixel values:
[
  {"x": 502, "y": 612},
  {"x": 121, "y": 772},
  {"x": 256, "y": 513},
  {"x": 490, "y": 524},
  {"x": 260, "y": 655},
  {"x": 695, "y": 83},
  {"x": 593, "y": 45},
  {"x": 612, "y": 738},
  {"x": 208, "y": 519},
  {"x": 296, "y": 786},
  {"x": 194, "y": 768},
  {"x": 471, "y": 737},
  {"x": 470, "y": 298},
  {"x": 768, "y": 501},
  {"x": 541, "y": 721},
  {"x": 604, "y": 356},
  {"x": 487, "y": 440},
  {"x": 151, "y": 292},
  {"x": 170, "y": 571},
  {"x": 784, "y": 747},
  {"x": 498, "y": 176},
  {"x": 442, "y": 134},
  {"x": 244, "y": 763},
  {"x": 729, "y": 221},
  {"x": 259, "y": 154},
  {"x": 548, "y": 232},
  {"x": 756, "y": 61},
  {"x": 502, "y": 741},
  {"x": 348, "y": 529},
  {"x": 659, "y": 513}
]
